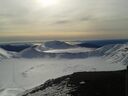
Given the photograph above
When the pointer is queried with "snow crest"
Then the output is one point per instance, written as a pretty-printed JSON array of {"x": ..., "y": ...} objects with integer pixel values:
[
  {"x": 118, "y": 54},
  {"x": 4, "y": 54}
]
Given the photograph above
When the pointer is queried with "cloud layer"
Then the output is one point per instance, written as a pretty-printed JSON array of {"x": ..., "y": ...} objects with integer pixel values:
[{"x": 102, "y": 16}]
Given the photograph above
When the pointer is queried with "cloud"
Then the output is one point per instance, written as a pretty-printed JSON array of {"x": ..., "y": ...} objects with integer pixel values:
[
  {"x": 62, "y": 22},
  {"x": 86, "y": 18},
  {"x": 71, "y": 16}
]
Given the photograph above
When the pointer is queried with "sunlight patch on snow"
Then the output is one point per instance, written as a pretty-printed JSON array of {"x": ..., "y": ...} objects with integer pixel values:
[{"x": 70, "y": 50}]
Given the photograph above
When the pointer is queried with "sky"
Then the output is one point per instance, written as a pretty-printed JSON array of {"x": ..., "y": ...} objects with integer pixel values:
[{"x": 63, "y": 19}]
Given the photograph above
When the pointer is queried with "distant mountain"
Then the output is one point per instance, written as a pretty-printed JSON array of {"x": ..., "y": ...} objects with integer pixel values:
[
  {"x": 88, "y": 45},
  {"x": 57, "y": 45},
  {"x": 83, "y": 84},
  {"x": 15, "y": 47},
  {"x": 34, "y": 52},
  {"x": 113, "y": 52},
  {"x": 100, "y": 43}
]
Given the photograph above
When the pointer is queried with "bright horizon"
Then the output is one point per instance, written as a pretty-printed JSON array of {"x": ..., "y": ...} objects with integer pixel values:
[{"x": 22, "y": 20}]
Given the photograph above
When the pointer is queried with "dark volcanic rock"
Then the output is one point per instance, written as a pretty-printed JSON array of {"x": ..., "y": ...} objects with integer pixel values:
[{"x": 83, "y": 84}]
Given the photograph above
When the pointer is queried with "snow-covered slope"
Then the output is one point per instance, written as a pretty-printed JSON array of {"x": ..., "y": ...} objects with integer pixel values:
[
  {"x": 24, "y": 73},
  {"x": 4, "y": 54},
  {"x": 59, "y": 49},
  {"x": 115, "y": 53},
  {"x": 31, "y": 52},
  {"x": 42, "y": 52},
  {"x": 28, "y": 73},
  {"x": 118, "y": 54}
]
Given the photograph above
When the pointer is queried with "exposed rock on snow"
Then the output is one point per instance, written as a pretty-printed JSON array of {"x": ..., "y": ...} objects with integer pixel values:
[{"x": 82, "y": 84}]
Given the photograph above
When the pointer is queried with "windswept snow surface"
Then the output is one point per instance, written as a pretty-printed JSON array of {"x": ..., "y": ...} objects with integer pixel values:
[
  {"x": 118, "y": 54},
  {"x": 10, "y": 92},
  {"x": 19, "y": 74}
]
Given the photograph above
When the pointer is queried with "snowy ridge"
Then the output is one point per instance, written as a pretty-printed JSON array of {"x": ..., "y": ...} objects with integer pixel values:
[
  {"x": 114, "y": 53},
  {"x": 33, "y": 53},
  {"x": 82, "y": 84},
  {"x": 4, "y": 54},
  {"x": 118, "y": 54},
  {"x": 15, "y": 47},
  {"x": 56, "y": 49},
  {"x": 41, "y": 52},
  {"x": 55, "y": 90}
]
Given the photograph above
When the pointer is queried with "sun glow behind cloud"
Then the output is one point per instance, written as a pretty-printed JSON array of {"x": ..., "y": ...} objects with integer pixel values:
[
  {"x": 64, "y": 19},
  {"x": 47, "y": 3}
]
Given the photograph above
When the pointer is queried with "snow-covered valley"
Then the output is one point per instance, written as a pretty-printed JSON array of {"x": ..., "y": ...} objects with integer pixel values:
[{"x": 35, "y": 65}]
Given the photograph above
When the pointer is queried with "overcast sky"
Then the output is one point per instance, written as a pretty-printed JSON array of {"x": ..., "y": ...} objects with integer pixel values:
[{"x": 63, "y": 19}]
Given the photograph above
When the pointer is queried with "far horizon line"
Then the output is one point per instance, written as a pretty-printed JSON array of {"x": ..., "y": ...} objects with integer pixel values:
[{"x": 40, "y": 41}]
